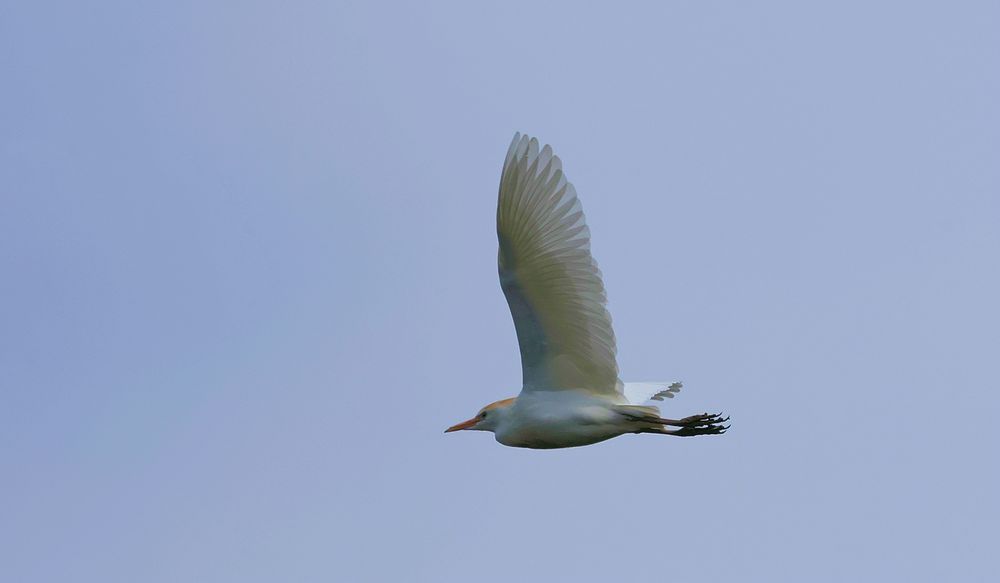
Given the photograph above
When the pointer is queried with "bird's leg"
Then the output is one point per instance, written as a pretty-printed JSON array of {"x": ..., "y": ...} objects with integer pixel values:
[
  {"x": 703, "y": 419},
  {"x": 693, "y": 431},
  {"x": 704, "y": 424}
]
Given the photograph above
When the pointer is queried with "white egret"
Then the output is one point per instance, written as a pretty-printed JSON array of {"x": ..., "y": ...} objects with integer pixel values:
[{"x": 571, "y": 394}]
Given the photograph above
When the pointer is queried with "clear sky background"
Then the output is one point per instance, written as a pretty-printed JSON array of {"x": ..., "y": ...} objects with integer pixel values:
[{"x": 247, "y": 269}]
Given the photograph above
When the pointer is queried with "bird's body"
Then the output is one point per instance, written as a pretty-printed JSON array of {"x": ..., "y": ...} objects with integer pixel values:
[
  {"x": 571, "y": 394},
  {"x": 553, "y": 419}
]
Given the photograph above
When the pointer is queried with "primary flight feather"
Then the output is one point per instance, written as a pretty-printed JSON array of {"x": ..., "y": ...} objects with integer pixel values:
[{"x": 571, "y": 394}]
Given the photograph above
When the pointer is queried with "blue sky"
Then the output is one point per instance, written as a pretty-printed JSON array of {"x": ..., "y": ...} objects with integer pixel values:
[{"x": 249, "y": 276}]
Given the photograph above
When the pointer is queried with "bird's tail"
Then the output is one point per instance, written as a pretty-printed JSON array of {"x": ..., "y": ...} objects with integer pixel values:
[{"x": 637, "y": 393}]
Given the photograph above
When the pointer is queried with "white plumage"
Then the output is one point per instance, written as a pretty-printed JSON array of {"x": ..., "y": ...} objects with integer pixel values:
[
  {"x": 571, "y": 394},
  {"x": 552, "y": 283}
]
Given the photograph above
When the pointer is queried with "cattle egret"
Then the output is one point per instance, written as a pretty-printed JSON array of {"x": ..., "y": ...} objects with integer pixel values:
[{"x": 571, "y": 394}]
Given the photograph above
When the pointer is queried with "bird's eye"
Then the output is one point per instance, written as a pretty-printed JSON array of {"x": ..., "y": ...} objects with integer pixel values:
[{"x": 482, "y": 415}]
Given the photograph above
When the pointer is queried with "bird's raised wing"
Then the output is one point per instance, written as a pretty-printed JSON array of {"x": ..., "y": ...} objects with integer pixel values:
[{"x": 552, "y": 283}]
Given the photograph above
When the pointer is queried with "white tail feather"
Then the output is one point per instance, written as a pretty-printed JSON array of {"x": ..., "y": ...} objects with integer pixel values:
[{"x": 638, "y": 393}]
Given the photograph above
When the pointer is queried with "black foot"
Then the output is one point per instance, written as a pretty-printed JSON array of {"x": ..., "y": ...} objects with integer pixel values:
[{"x": 704, "y": 424}]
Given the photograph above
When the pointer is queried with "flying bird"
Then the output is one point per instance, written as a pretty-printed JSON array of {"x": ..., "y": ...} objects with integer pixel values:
[{"x": 571, "y": 394}]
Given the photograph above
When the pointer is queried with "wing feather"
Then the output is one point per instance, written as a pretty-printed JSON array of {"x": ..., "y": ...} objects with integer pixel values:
[{"x": 550, "y": 279}]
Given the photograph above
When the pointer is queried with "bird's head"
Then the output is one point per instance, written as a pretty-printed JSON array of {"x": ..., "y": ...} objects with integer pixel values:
[{"x": 488, "y": 418}]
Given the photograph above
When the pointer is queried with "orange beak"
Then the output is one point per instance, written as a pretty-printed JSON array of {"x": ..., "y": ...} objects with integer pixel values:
[{"x": 463, "y": 425}]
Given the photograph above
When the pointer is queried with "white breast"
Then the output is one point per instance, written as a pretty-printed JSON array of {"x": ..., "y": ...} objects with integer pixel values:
[{"x": 562, "y": 418}]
